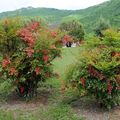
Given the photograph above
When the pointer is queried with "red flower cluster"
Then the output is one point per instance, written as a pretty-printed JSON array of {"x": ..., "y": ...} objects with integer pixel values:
[
  {"x": 27, "y": 37},
  {"x": 83, "y": 81},
  {"x": 12, "y": 71},
  {"x": 26, "y": 33},
  {"x": 95, "y": 73},
  {"x": 5, "y": 63},
  {"x": 37, "y": 70},
  {"x": 109, "y": 87},
  {"x": 114, "y": 54},
  {"x": 45, "y": 58},
  {"x": 67, "y": 38},
  {"x": 33, "y": 26},
  {"x": 54, "y": 34},
  {"x": 29, "y": 51}
]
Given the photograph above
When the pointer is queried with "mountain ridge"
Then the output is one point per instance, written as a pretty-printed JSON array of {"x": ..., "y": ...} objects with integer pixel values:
[{"x": 109, "y": 10}]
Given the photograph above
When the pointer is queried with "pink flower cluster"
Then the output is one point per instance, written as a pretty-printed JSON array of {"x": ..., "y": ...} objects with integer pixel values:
[
  {"x": 46, "y": 58},
  {"x": 29, "y": 51},
  {"x": 33, "y": 26},
  {"x": 5, "y": 63},
  {"x": 66, "y": 39},
  {"x": 12, "y": 71},
  {"x": 54, "y": 34},
  {"x": 27, "y": 36},
  {"x": 37, "y": 70}
]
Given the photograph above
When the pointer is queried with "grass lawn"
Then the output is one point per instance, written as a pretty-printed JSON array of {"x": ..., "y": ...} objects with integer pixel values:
[
  {"x": 69, "y": 56},
  {"x": 55, "y": 108}
]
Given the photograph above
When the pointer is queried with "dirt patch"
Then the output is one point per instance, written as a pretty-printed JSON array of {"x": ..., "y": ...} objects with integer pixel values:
[
  {"x": 91, "y": 110},
  {"x": 15, "y": 102}
]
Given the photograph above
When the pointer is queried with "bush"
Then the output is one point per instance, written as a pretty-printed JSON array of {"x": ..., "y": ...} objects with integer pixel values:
[
  {"x": 97, "y": 73},
  {"x": 30, "y": 62}
]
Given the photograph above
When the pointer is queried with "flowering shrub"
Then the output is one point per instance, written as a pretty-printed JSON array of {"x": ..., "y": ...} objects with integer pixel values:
[
  {"x": 97, "y": 73},
  {"x": 30, "y": 63}
]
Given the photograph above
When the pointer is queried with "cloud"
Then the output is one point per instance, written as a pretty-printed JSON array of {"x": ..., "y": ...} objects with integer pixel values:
[
  {"x": 65, "y": 4},
  {"x": 7, "y": 5}
]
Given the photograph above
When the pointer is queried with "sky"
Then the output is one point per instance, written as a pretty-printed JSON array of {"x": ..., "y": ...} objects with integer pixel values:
[{"x": 8, "y": 5}]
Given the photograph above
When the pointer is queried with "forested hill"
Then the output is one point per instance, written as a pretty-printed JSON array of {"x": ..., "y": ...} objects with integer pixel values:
[
  {"x": 50, "y": 14},
  {"x": 109, "y": 10}
]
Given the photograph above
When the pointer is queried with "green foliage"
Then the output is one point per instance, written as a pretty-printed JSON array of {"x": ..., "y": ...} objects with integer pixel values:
[
  {"x": 8, "y": 35},
  {"x": 102, "y": 25},
  {"x": 97, "y": 73},
  {"x": 73, "y": 28},
  {"x": 6, "y": 115},
  {"x": 59, "y": 112}
]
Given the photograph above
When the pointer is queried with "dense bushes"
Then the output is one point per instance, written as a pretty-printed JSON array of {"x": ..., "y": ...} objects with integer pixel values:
[
  {"x": 97, "y": 73},
  {"x": 29, "y": 51}
]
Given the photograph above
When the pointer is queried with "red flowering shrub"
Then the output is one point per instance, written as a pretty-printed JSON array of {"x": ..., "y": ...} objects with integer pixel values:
[
  {"x": 30, "y": 63},
  {"x": 98, "y": 70}
]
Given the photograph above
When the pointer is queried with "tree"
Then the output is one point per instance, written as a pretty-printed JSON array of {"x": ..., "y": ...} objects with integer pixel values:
[
  {"x": 101, "y": 26},
  {"x": 74, "y": 28}
]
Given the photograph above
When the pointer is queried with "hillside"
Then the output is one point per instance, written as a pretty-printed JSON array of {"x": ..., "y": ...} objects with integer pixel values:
[
  {"x": 109, "y": 10},
  {"x": 52, "y": 15}
]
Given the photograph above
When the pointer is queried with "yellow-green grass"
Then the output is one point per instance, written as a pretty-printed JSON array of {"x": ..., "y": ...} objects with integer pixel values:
[{"x": 69, "y": 56}]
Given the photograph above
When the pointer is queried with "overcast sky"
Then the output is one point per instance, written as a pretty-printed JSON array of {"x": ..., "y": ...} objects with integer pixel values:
[{"x": 7, "y": 5}]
